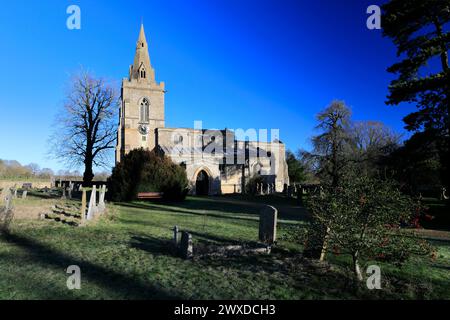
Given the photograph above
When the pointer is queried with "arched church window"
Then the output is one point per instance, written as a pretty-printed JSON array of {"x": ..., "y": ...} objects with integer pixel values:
[
  {"x": 257, "y": 169},
  {"x": 178, "y": 139},
  {"x": 143, "y": 74},
  {"x": 144, "y": 110}
]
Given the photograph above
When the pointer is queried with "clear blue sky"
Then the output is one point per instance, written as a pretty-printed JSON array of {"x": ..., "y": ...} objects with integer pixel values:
[{"x": 230, "y": 63}]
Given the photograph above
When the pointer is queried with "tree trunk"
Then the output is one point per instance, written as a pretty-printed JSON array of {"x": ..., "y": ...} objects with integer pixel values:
[
  {"x": 356, "y": 267},
  {"x": 88, "y": 173}
]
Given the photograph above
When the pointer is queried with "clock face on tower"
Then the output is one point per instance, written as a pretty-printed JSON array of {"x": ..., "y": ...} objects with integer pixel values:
[{"x": 143, "y": 129}]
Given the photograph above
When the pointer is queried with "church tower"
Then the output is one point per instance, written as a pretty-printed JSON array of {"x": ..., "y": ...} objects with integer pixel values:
[{"x": 142, "y": 103}]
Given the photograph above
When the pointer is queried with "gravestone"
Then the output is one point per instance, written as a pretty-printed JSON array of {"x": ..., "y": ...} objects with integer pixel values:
[
  {"x": 6, "y": 212},
  {"x": 101, "y": 201},
  {"x": 268, "y": 225},
  {"x": 175, "y": 235},
  {"x": 186, "y": 247},
  {"x": 63, "y": 194},
  {"x": 27, "y": 185},
  {"x": 24, "y": 194},
  {"x": 92, "y": 204}
]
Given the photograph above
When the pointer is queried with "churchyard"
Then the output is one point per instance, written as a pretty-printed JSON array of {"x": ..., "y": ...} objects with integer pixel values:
[{"x": 223, "y": 249}]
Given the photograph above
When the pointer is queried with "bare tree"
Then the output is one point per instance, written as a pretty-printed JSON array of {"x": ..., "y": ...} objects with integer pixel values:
[{"x": 85, "y": 129}]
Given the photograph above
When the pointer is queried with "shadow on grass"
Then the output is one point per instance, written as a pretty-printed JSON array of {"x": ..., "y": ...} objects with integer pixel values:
[
  {"x": 227, "y": 210},
  {"x": 155, "y": 246},
  {"x": 206, "y": 238},
  {"x": 128, "y": 287},
  {"x": 175, "y": 210}
]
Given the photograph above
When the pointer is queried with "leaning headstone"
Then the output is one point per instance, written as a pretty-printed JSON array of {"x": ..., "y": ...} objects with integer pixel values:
[
  {"x": 268, "y": 225},
  {"x": 186, "y": 247},
  {"x": 92, "y": 204}
]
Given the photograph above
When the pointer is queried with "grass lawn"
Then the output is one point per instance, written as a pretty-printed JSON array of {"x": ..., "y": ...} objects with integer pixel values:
[{"x": 127, "y": 255}]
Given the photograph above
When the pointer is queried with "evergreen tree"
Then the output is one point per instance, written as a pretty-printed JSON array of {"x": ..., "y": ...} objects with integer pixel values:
[{"x": 421, "y": 32}]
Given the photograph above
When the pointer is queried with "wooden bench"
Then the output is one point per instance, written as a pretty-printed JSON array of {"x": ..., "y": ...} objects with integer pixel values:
[{"x": 149, "y": 195}]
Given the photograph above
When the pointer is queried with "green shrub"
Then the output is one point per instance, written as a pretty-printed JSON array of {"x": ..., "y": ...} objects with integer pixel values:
[{"x": 146, "y": 171}]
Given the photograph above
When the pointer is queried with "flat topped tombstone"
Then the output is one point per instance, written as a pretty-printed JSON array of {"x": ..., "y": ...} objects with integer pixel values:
[
  {"x": 268, "y": 225},
  {"x": 27, "y": 185},
  {"x": 24, "y": 194},
  {"x": 186, "y": 246}
]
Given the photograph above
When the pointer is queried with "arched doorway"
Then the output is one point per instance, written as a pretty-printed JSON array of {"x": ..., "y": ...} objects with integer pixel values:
[{"x": 202, "y": 184}]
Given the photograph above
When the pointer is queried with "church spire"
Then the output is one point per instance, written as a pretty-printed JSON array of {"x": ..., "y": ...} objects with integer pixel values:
[{"x": 141, "y": 69}]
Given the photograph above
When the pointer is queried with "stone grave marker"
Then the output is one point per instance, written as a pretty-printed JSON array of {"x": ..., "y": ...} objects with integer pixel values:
[
  {"x": 186, "y": 247},
  {"x": 175, "y": 235},
  {"x": 92, "y": 204},
  {"x": 268, "y": 225},
  {"x": 24, "y": 194},
  {"x": 101, "y": 201}
]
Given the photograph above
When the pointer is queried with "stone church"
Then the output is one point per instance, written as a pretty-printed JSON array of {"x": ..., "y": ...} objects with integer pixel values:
[{"x": 216, "y": 162}]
